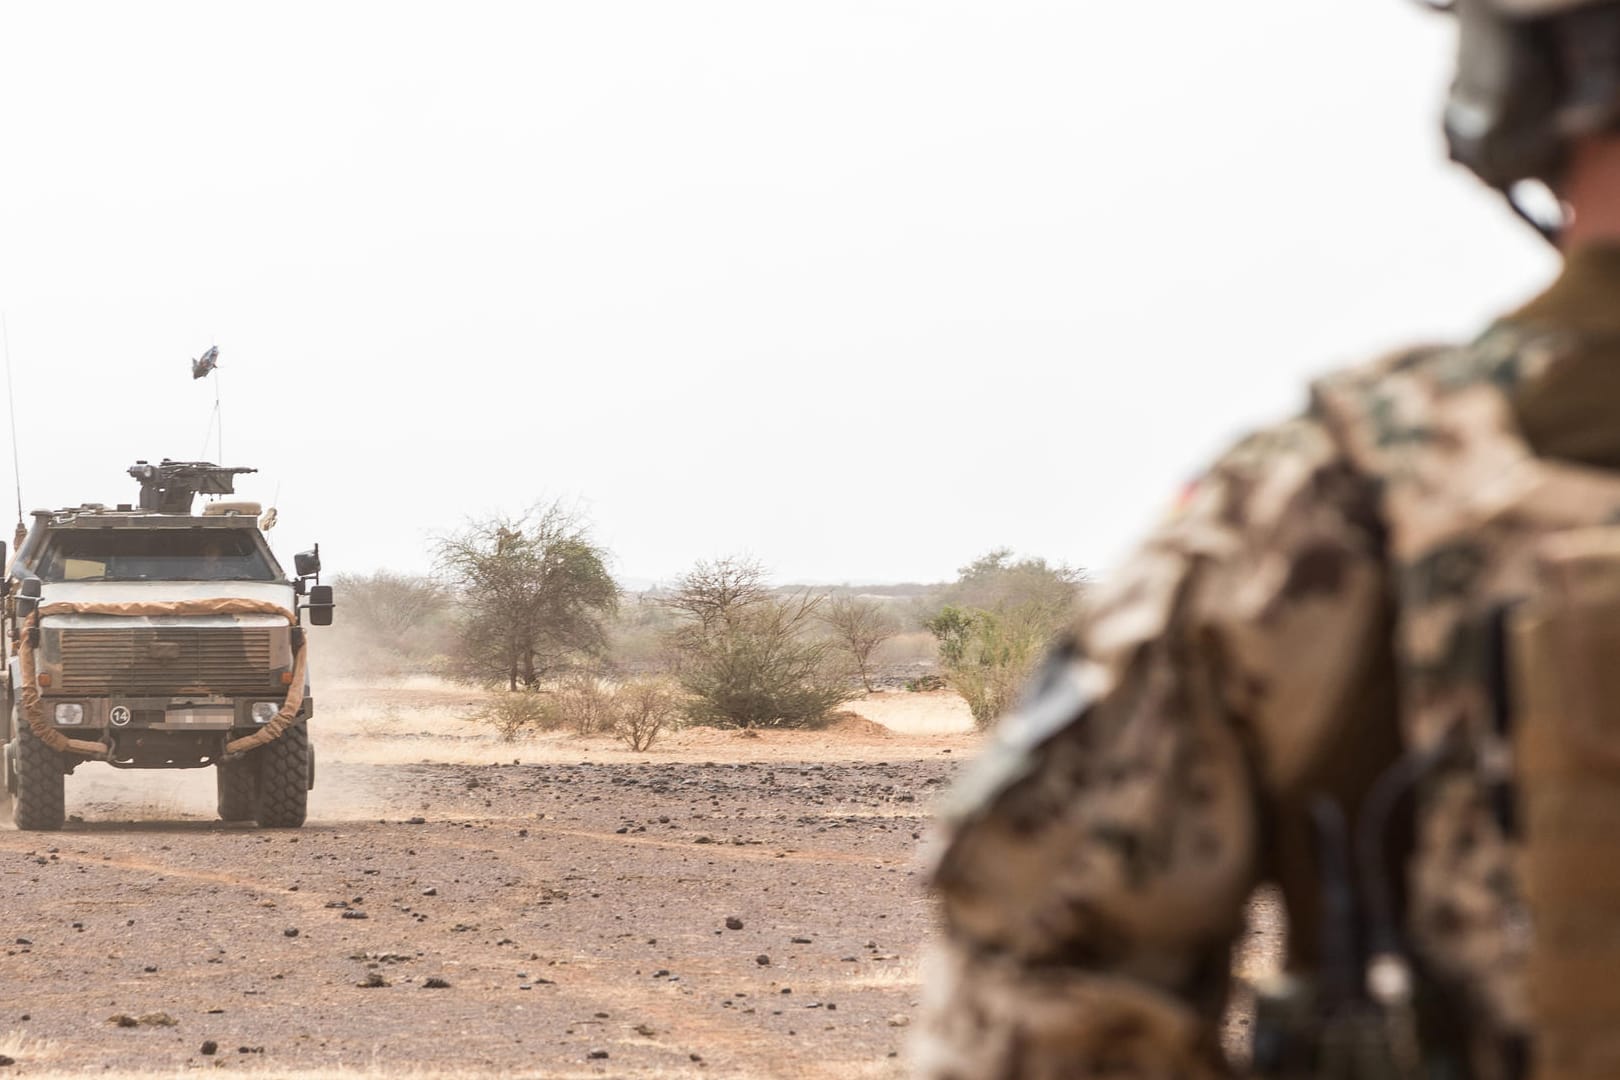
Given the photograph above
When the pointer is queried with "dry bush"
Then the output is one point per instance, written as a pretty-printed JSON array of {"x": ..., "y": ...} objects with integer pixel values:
[
  {"x": 987, "y": 656},
  {"x": 859, "y": 625},
  {"x": 746, "y": 656},
  {"x": 636, "y": 713},
  {"x": 519, "y": 712},
  {"x": 585, "y": 705},
  {"x": 25, "y": 1049},
  {"x": 1000, "y": 617},
  {"x": 644, "y": 709}
]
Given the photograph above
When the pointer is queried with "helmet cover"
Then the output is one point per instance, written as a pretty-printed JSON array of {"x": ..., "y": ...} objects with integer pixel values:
[{"x": 1532, "y": 75}]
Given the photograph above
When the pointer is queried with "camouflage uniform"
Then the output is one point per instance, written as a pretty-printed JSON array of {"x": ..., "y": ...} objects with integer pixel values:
[{"x": 1322, "y": 602}]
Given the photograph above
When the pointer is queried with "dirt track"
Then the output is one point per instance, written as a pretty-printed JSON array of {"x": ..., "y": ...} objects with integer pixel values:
[{"x": 573, "y": 909}]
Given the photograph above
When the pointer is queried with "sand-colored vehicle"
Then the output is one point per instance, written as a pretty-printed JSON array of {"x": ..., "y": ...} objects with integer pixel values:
[{"x": 149, "y": 637}]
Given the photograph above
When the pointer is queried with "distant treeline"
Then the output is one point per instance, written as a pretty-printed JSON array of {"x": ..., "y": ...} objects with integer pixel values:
[{"x": 525, "y": 603}]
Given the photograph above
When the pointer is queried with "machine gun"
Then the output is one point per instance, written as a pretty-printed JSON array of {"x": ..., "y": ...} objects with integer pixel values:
[{"x": 170, "y": 486}]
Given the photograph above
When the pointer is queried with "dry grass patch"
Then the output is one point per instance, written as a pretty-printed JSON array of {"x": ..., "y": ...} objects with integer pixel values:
[
  {"x": 888, "y": 975},
  {"x": 28, "y": 1050},
  {"x": 397, "y": 723}
]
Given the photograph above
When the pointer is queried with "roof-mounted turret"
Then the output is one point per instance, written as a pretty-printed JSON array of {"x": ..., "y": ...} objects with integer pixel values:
[{"x": 170, "y": 486}]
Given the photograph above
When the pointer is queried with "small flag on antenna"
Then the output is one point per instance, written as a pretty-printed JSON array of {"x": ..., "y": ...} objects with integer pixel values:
[{"x": 205, "y": 363}]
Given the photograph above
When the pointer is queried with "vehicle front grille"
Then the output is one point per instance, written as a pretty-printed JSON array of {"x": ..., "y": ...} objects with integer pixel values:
[{"x": 166, "y": 660}]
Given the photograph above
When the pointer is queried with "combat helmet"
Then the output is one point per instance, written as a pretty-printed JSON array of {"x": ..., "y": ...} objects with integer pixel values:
[{"x": 1532, "y": 76}]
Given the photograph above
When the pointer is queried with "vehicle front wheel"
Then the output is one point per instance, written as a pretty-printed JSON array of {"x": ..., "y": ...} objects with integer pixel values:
[
  {"x": 283, "y": 793},
  {"x": 236, "y": 784},
  {"x": 38, "y": 797}
]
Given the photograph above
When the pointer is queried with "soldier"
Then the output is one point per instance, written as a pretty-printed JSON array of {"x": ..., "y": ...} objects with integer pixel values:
[{"x": 1369, "y": 661}]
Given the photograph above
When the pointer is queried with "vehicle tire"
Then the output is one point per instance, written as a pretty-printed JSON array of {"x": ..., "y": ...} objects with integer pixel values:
[
  {"x": 236, "y": 783},
  {"x": 41, "y": 783},
  {"x": 284, "y": 780}
]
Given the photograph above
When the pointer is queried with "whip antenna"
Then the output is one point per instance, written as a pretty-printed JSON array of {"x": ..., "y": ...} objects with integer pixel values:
[
  {"x": 205, "y": 365},
  {"x": 220, "y": 416},
  {"x": 11, "y": 404}
]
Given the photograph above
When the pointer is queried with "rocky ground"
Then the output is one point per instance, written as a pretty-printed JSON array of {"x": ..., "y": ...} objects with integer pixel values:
[
  {"x": 718, "y": 906},
  {"x": 747, "y": 918}
]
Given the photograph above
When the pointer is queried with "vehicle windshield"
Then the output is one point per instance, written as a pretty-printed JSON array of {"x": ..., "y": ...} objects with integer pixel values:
[{"x": 154, "y": 555}]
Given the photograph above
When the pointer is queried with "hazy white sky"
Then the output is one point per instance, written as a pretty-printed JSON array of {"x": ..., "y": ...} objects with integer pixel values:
[{"x": 863, "y": 288}]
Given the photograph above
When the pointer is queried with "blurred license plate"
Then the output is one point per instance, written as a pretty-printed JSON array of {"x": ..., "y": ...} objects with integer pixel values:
[{"x": 214, "y": 717}]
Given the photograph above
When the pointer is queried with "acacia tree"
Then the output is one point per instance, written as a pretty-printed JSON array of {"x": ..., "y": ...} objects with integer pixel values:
[
  {"x": 715, "y": 594},
  {"x": 746, "y": 656},
  {"x": 532, "y": 592},
  {"x": 998, "y": 582},
  {"x": 1000, "y": 617},
  {"x": 859, "y": 626}
]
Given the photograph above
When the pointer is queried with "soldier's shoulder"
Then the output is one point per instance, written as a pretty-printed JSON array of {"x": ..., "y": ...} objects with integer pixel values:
[
  {"x": 1504, "y": 355},
  {"x": 1416, "y": 368},
  {"x": 1313, "y": 431},
  {"x": 1287, "y": 471},
  {"x": 1353, "y": 416},
  {"x": 1365, "y": 423},
  {"x": 1394, "y": 415}
]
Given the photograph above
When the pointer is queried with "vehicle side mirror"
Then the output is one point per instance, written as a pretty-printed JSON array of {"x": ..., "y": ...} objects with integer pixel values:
[
  {"x": 308, "y": 563},
  {"x": 320, "y": 605},
  {"x": 28, "y": 597}
]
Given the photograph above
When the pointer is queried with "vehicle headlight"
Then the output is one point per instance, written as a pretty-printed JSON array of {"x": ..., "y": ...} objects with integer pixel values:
[
  {"x": 69, "y": 714},
  {"x": 263, "y": 711}
]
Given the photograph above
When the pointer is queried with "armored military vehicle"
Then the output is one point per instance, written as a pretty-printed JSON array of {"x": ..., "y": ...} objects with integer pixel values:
[{"x": 147, "y": 636}]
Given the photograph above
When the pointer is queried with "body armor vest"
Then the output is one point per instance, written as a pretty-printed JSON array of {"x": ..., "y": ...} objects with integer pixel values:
[{"x": 1506, "y": 573}]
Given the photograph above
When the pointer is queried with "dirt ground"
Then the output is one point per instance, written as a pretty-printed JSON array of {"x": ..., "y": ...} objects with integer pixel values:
[{"x": 720, "y": 905}]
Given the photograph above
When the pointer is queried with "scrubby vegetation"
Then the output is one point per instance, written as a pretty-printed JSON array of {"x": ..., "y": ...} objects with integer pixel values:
[
  {"x": 751, "y": 657},
  {"x": 532, "y": 596},
  {"x": 525, "y": 606},
  {"x": 998, "y": 619},
  {"x": 518, "y": 713},
  {"x": 644, "y": 709},
  {"x": 859, "y": 625},
  {"x": 636, "y": 712}
]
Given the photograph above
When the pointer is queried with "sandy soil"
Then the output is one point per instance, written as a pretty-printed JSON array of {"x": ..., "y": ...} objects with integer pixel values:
[
  {"x": 721, "y": 905},
  {"x": 573, "y": 894}
]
